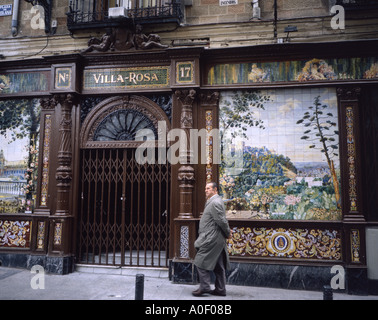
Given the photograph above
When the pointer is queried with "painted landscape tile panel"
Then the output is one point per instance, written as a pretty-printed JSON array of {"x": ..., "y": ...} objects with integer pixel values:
[
  {"x": 19, "y": 82},
  {"x": 294, "y": 71},
  {"x": 280, "y": 154},
  {"x": 19, "y": 131}
]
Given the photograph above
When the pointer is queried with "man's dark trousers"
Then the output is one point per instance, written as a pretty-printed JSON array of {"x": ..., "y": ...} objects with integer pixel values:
[{"x": 220, "y": 276}]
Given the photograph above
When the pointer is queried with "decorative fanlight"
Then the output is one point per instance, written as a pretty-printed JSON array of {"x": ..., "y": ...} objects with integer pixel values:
[{"x": 125, "y": 125}]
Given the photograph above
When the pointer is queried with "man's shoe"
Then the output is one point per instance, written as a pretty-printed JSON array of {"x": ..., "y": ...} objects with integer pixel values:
[
  {"x": 199, "y": 293},
  {"x": 218, "y": 293}
]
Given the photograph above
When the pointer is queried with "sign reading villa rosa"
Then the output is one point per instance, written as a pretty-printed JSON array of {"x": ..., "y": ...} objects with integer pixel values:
[{"x": 118, "y": 78}]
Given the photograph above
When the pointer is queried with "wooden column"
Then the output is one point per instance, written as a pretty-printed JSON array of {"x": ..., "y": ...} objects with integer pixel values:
[
  {"x": 43, "y": 199},
  {"x": 60, "y": 222},
  {"x": 186, "y": 171},
  {"x": 64, "y": 172},
  {"x": 353, "y": 214},
  {"x": 185, "y": 81},
  {"x": 185, "y": 224},
  {"x": 208, "y": 120}
]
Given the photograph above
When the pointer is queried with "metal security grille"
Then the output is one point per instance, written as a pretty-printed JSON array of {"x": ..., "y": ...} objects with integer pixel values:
[{"x": 124, "y": 210}]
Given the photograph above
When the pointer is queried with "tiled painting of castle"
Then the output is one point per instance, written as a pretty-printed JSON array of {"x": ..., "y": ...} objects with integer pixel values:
[{"x": 280, "y": 154}]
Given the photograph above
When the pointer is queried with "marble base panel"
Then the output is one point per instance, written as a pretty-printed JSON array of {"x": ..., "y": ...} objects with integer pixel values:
[
  {"x": 182, "y": 272},
  {"x": 51, "y": 264},
  {"x": 280, "y": 276},
  {"x": 357, "y": 281},
  {"x": 298, "y": 277}
]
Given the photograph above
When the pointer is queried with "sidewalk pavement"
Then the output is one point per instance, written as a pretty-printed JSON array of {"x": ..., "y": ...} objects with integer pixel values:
[{"x": 90, "y": 283}]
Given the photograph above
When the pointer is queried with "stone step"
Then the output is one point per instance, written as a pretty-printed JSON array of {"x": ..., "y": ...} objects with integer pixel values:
[{"x": 124, "y": 271}]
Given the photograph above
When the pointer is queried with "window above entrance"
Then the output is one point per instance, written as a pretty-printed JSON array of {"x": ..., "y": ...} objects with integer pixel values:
[
  {"x": 123, "y": 125},
  {"x": 122, "y": 122},
  {"x": 85, "y": 14}
]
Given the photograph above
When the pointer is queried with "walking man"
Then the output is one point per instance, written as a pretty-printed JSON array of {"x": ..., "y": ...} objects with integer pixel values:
[{"x": 211, "y": 245}]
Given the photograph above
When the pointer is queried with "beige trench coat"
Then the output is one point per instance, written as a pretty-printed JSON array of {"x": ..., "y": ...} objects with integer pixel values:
[{"x": 213, "y": 233}]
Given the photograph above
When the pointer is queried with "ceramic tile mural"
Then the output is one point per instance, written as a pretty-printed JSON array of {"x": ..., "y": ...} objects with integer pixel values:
[
  {"x": 18, "y": 82},
  {"x": 314, "y": 244},
  {"x": 294, "y": 71},
  {"x": 19, "y": 129},
  {"x": 280, "y": 154},
  {"x": 15, "y": 234}
]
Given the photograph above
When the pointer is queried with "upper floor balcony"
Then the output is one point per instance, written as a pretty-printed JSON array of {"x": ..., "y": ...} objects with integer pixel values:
[{"x": 86, "y": 14}]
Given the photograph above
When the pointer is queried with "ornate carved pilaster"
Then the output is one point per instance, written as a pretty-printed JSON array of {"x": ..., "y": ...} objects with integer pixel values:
[
  {"x": 209, "y": 98},
  {"x": 208, "y": 114},
  {"x": 349, "y": 93},
  {"x": 48, "y": 103},
  {"x": 186, "y": 172},
  {"x": 42, "y": 210},
  {"x": 60, "y": 222},
  {"x": 186, "y": 97},
  {"x": 186, "y": 184},
  {"x": 48, "y": 107},
  {"x": 350, "y": 152},
  {"x": 350, "y": 158},
  {"x": 64, "y": 171}
]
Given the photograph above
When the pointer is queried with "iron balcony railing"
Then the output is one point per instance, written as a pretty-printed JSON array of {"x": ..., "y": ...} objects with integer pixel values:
[{"x": 84, "y": 14}]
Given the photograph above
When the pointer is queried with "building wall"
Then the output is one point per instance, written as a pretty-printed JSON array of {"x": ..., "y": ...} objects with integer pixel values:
[
  {"x": 204, "y": 21},
  {"x": 198, "y": 12},
  {"x": 210, "y": 11},
  {"x": 225, "y": 51}
]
